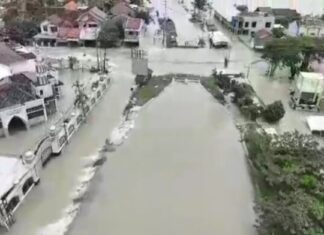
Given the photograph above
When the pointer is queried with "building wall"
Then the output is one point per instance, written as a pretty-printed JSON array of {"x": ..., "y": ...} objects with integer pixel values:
[
  {"x": 252, "y": 24},
  {"x": 44, "y": 91},
  {"x": 312, "y": 31},
  {"x": 20, "y": 111},
  {"x": 88, "y": 32},
  {"x": 49, "y": 27}
]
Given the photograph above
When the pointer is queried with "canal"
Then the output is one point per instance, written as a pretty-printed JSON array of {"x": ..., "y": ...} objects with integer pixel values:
[{"x": 182, "y": 171}]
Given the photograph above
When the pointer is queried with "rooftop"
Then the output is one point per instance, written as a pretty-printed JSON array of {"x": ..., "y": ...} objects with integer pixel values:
[
  {"x": 18, "y": 91},
  {"x": 255, "y": 14},
  {"x": 134, "y": 24},
  {"x": 8, "y": 56},
  {"x": 11, "y": 171},
  {"x": 122, "y": 8}
]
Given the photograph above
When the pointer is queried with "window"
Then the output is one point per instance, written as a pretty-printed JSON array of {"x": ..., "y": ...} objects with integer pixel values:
[
  {"x": 268, "y": 25},
  {"x": 246, "y": 25},
  {"x": 240, "y": 25},
  {"x": 41, "y": 92},
  {"x": 93, "y": 25},
  {"x": 35, "y": 114},
  {"x": 254, "y": 24},
  {"x": 45, "y": 28},
  {"x": 54, "y": 29},
  {"x": 27, "y": 185}
]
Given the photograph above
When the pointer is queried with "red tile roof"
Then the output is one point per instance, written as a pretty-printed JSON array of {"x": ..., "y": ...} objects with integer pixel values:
[
  {"x": 262, "y": 34},
  {"x": 134, "y": 24},
  {"x": 122, "y": 8},
  {"x": 68, "y": 33}
]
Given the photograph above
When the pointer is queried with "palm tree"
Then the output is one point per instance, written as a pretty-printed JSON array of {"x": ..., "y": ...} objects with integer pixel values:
[{"x": 81, "y": 97}]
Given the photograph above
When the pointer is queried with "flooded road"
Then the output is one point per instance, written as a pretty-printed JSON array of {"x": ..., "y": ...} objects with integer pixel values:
[
  {"x": 182, "y": 171},
  {"x": 45, "y": 203}
]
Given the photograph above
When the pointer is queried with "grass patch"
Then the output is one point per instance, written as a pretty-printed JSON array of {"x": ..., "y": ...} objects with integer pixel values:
[{"x": 211, "y": 86}]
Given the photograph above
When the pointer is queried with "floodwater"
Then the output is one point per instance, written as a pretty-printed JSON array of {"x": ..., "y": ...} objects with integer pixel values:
[
  {"x": 182, "y": 171},
  {"x": 45, "y": 203}
]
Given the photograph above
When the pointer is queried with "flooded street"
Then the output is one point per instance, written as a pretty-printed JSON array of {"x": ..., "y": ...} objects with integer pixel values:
[
  {"x": 182, "y": 171},
  {"x": 45, "y": 203}
]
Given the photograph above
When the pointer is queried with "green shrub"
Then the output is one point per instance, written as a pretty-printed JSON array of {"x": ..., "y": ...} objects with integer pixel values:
[
  {"x": 251, "y": 111},
  {"x": 274, "y": 112},
  {"x": 308, "y": 181}
]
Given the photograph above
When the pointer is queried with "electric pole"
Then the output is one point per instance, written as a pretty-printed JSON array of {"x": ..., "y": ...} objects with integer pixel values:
[{"x": 164, "y": 23}]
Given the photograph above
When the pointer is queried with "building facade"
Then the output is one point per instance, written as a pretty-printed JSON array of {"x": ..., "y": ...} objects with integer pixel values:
[
  {"x": 72, "y": 26},
  {"x": 27, "y": 94},
  {"x": 248, "y": 23}
]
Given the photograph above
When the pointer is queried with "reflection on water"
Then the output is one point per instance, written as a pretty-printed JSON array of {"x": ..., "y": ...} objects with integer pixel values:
[{"x": 182, "y": 171}]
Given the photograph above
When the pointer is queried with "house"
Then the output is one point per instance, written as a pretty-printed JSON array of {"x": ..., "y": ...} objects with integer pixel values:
[
  {"x": 248, "y": 23},
  {"x": 312, "y": 27},
  {"x": 122, "y": 8},
  {"x": 308, "y": 91},
  {"x": 282, "y": 16},
  {"x": 72, "y": 26},
  {"x": 27, "y": 95},
  {"x": 90, "y": 23},
  {"x": 132, "y": 29},
  {"x": 261, "y": 38}
]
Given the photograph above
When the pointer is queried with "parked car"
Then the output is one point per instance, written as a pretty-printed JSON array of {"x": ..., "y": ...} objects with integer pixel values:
[
  {"x": 211, "y": 26},
  {"x": 218, "y": 39}
]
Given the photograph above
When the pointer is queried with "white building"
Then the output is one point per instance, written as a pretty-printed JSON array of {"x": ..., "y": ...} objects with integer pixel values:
[
  {"x": 248, "y": 23},
  {"x": 90, "y": 23},
  {"x": 312, "y": 27},
  {"x": 26, "y": 97},
  {"x": 308, "y": 91},
  {"x": 17, "y": 179}
]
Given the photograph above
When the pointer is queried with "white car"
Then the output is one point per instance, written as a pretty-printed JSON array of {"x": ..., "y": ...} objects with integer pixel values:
[{"x": 218, "y": 39}]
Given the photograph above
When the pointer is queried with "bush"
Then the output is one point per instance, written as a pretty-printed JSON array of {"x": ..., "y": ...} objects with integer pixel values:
[
  {"x": 252, "y": 111},
  {"x": 274, "y": 112},
  {"x": 245, "y": 101},
  {"x": 241, "y": 90}
]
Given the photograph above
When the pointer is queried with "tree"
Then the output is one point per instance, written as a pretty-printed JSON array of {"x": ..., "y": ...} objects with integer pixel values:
[
  {"x": 200, "y": 4},
  {"x": 72, "y": 61},
  {"x": 287, "y": 170},
  {"x": 144, "y": 15},
  {"x": 274, "y": 112},
  {"x": 81, "y": 97},
  {"x": 21, "y": 30},
  {"x": 278, "y": 32},
  {"x": 283, "y": 52},
  {"x": 109, "y": 34}
]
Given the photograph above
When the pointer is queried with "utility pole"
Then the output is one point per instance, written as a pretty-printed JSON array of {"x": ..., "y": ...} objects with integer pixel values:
[{"x": 164, "y": 23}]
